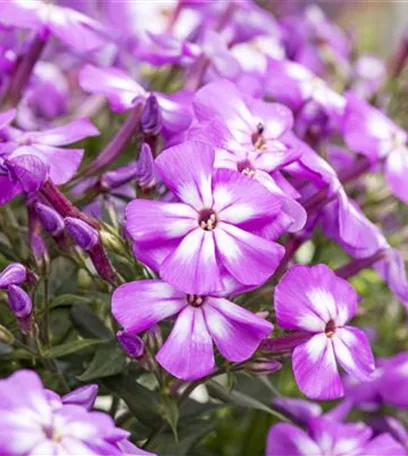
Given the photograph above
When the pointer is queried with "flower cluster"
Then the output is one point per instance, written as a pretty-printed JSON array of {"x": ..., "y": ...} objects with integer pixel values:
[{"x": 187, "y": 196}]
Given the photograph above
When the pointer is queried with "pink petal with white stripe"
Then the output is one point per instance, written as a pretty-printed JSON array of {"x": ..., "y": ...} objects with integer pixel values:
[
  {"x": 153, "y": 222},
  {"x": 186, "y": 169},
  {"x": 249, "y": 258},
  {"x": 192, "y": 267},
  {"x": 288, "y": 440},
  {"x": 241, "y": 200},
  {"x": 139, "y": 305},
  {"x": 235, "y": 331},
  {"x": 353, "y": 352},
  {"x": 188, "y": 351},
  {"x": 315, "y": 369},
  {"x": 309, "y": 297}
]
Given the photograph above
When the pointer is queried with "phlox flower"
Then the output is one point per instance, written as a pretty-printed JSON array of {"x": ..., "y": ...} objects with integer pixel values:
[
  {"x": 35, "y": 421},
  {"x": 214, "y": 229},
  {"x": 28, "y": 159},
  {"x": 328, "y": 437},
  {"x": 200, "y": 321},
  {"x": 314, "y": 300},
  {"x": 370, "y": 132}
]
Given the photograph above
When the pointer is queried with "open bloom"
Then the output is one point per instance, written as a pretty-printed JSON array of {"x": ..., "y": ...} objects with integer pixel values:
[
  {"x": 75, "y": 29},
  {"x": 123, "y": 93},
  {"x": 200, "y": 321},
  {"x": 27, "y": 159},
  {"x": 249, "y": 136},
  {"x": 213, "y": 229},
  {"x": 35, "y": 421},
  {"x": 314, "y": 300},
  {"x": 368, "y": 131},
  {"x": 329, "y": 437}
]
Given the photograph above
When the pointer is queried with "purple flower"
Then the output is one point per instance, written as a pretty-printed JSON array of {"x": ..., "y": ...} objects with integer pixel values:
[
  {"x": 75, "y": 29},
  {"x": 296, "y": 86},
  {"x": 85, "y": 396},
  {"x": 27, "y": 159},
  {"x": 368, "y": 131},
  {"x": 328, "y": 437},
  {"x": 13, "y": 274},
  {"x": 249, "y": 136},
  {"x": 212, "y": 230},
  {"x": 131, "y": 344},
  {"x": 35, "y": 421},
  {"x": 394, "y": 381},
  {"x": 123, "y": 93},
  {"x": 313, "y": 299},
  {"x": 200, "y": 322}
]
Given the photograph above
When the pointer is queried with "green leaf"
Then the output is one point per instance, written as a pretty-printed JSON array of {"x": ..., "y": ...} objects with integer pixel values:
[
  {"x": 69, "y": 300},
  {"x": 88, "y": 323},
  {"x": 143, "y": 403},
  {"x": 108, "y": 360},
  {"x": 219, "y": 391},
  {"x": 170, "y": 411},
  {"x": 72, "y": 347}
]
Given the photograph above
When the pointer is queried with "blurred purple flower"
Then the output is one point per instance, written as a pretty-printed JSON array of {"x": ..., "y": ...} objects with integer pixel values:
[
  {"x": 13, "y": 274},
  {"x": 35, "y": 421},
  {"x": 370, "y": 132},
  {"x": 28, "y": 159},
  {"x": 325, "y": 436},
  {"x": 75, "y": 29}
]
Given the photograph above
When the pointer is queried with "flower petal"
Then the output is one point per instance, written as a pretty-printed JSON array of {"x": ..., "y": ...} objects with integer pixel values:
[
  {"x": 66, "y": 134},
  {"x": 121, "y": 90},
  {"x": 383, "y": 445},
  {"x": 192, "y": 267},
  {"x": 186, "y": 169},
  {"x": 353, "y": 352},
  {"x": 287, "y": 439},
  {"x": 249, "y": 258},
  {"x": 396, "y": 168},
  {"x": 154, "y": 222},
  {"x": 309, "y": 297},
  {"x": 241, "y": 200},
  {"x": 188, "y": 351},
  {"x": 63, "y": 163},
  {"x": 315, "y": 369},
  {"x": 139, "y": 305},
  {"x": 236, "y": 332}
]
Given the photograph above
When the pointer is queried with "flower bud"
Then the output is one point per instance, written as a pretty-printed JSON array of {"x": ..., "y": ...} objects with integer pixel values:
[
  {"x": 39, "y": 250},
  {"x": 52, "y": 222},
  {"x": 264, "y": 366},
  {"x": 19, "y": 302},
  {"x": 27, "y": 169},
  {"x": 132, "y": 345},
  {"x": 151, "y": 117},
  {"x": 120, "y": 176},
  {"x": 13, "y": 274},
  {"x": 145, "y": 173},
  {"x": 82, "y": 233},
  {"x": 84, "y": 396},
  {"x": 6, "y": 336}
]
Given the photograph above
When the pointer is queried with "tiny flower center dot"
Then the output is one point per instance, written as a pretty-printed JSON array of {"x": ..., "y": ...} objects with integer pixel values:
[
  {"x": 330, "y": 328},
  {"x": 207, "y": 219},
  {"x": 258, "y": 139},
  {"x": 195, "y": 300}
]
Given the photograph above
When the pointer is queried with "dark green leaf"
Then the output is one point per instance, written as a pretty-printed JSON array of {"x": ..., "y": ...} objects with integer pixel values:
[
  {"x": 170, "y": 411},
  {"x": 143, "y": 403},
  {"x": 88, "y": 323},
  {"x": 72, "y": 347},
  {"x": 108, "y": 360},
  {"x": 69, "y": 300},
  {"x": 219, "y": 391}
]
